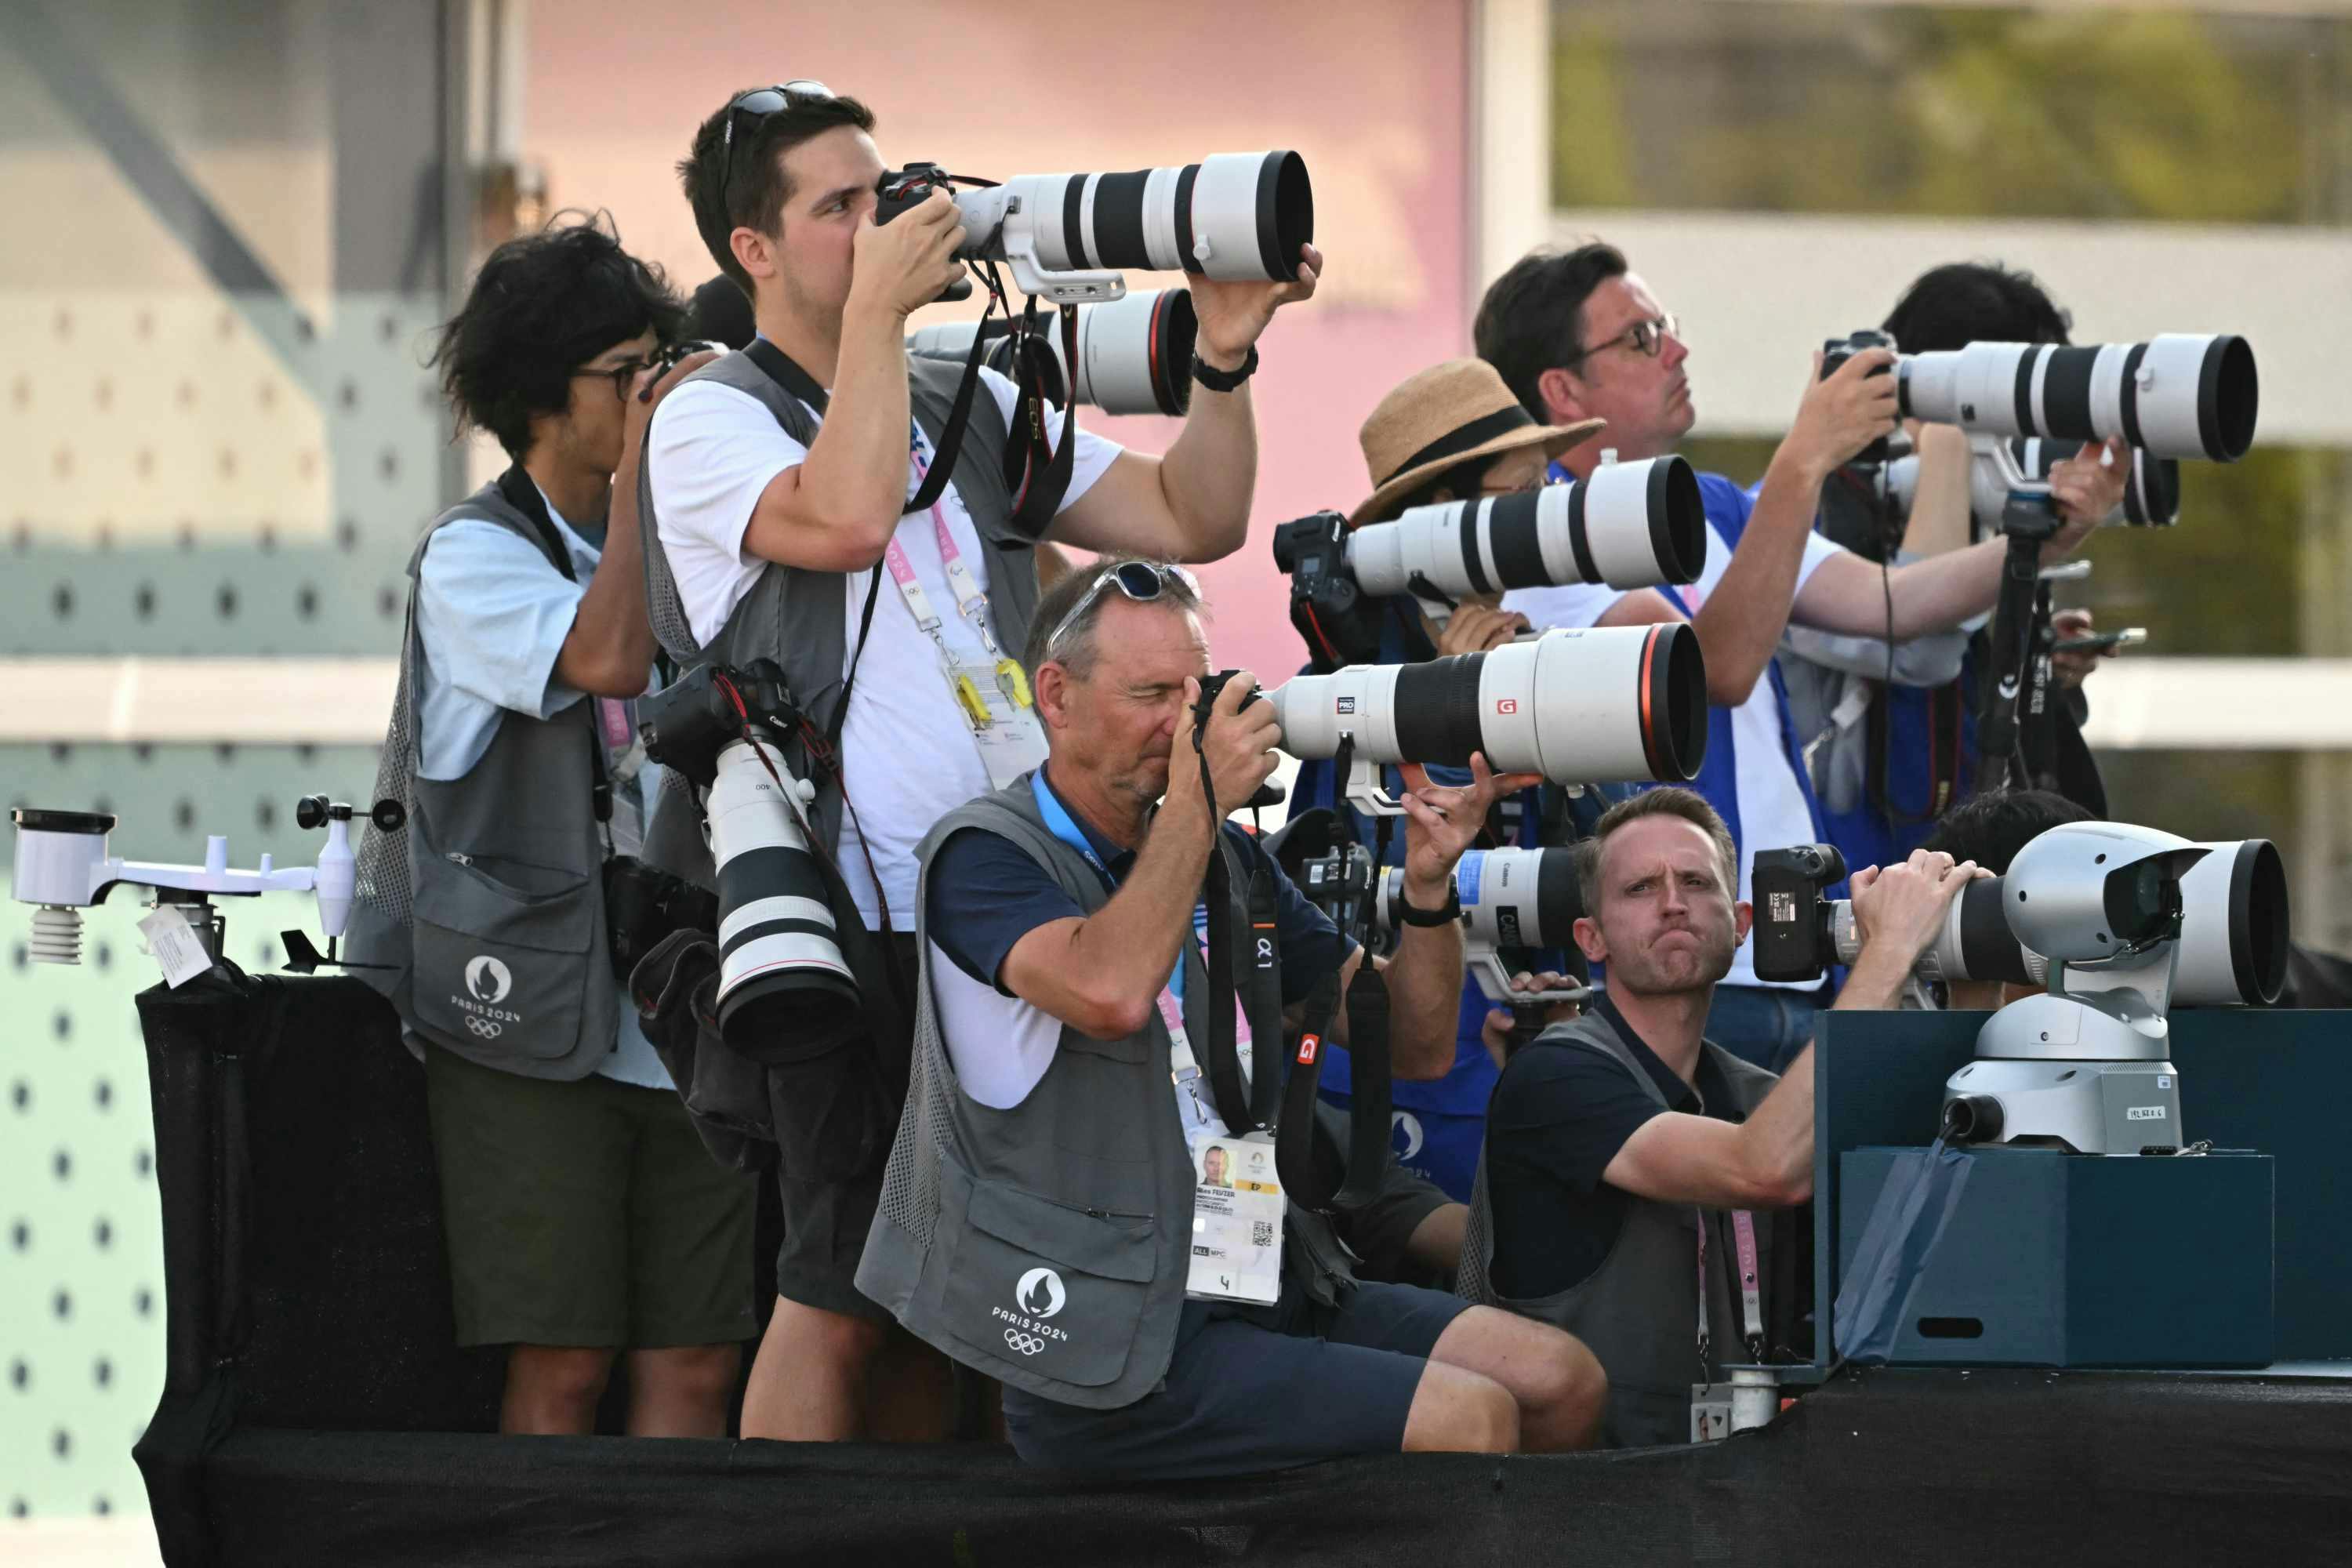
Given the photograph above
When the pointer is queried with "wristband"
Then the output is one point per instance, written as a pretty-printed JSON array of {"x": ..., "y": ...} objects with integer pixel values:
[
  {"x": 1217, "y": 380},
  {"x": 1446, "y": 916}
]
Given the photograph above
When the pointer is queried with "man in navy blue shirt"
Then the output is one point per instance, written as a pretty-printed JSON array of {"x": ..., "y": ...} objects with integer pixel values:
[
  {"x": 1577, "y": 335},
  {"x": 1115, "y": 656}
]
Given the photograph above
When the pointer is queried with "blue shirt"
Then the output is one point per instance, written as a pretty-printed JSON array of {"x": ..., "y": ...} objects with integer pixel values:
[
  {"x": 985, "y": 894},
  {"x": 492, "y": 612}
]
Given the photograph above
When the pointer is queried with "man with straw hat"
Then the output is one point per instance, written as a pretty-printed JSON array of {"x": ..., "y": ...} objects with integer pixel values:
[{"x": 1452, "y": 432}]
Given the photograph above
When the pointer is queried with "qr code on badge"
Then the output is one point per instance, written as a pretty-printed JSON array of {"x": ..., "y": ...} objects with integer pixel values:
[{"x": 1262, "y": 1233}]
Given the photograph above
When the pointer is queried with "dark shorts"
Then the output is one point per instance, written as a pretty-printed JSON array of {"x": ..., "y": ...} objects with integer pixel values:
[
  {"x": 585, "y": 1213},
  {"x": 1255, "y": 1388},
  {"x": 837, "y": 1118}
]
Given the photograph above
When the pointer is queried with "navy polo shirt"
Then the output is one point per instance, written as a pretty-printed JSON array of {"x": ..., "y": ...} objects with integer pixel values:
[
  {"x": 986, "y": 894},
  {"x": 1560, "y": 1114}
]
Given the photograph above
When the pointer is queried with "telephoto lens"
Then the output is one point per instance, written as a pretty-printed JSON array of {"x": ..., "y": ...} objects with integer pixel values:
[
  {"x": 784, "y": 986},
  {"x": 1510, "y": 898},
  {"x": 1630, "y": 525},
  {"x": 1135, "y": 354},
  {"x": 1608, "y": 702},
  {"x": 2180, "y": 395},
  {"x": 2151, "y": 487}
]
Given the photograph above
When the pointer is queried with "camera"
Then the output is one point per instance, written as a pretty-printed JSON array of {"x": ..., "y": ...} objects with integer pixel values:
[
  {"x": 1606, "y": 702},
  {"x": 781, "y": 975},
  {"x": 1835, "y": 352},
  {"x": 1231, "y": 216},
  {"x": 2001, "y": 468},
  {"x": 1630, "y": 525},
  {"x": 1134, "y": 355},
  {"x": 643, "y": 904},
  {"x": 2180, "y": 394},
  {"x": 669, "y": 355},
  {"x": 1510, "y": 899}
]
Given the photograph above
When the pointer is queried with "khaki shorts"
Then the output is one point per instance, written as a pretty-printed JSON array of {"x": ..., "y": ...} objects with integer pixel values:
[{"x": 585, "y": 1213}]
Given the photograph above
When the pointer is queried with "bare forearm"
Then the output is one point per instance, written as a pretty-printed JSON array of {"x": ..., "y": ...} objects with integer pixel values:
[
  {"x": 1741, "y": 622},
  {"x": 1938, "y": 594},
  {"x": 1424, "y": 983},
  {"x": 852, "y": 483},
  {"x": 611, "y": 644},
  {"x": 1209, "y": 475}
]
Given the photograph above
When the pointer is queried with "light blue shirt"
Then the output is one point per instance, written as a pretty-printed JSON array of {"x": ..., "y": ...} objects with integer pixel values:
[{"x": 491, "y": 615}]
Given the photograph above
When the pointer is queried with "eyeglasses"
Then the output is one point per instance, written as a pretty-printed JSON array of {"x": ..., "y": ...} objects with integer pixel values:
[
  {"x": 620, "y": 374},
  {"x": 1141, "y": 580},
  {"x": 1646, "y": 337},
  {"x": 759, "y": 103}
]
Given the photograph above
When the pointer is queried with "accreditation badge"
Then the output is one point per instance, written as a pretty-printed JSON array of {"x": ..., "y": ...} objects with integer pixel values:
[
  {"x": 1237, "y": 1205},
  {"x": 1012, "y": 741}
]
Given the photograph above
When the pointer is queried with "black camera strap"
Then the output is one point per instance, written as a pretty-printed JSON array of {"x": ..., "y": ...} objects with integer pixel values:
[
  {"x": 522, "y": 492},
  {"x": 1035, "y": 471},
  {"x": 1244, "y": 961}
]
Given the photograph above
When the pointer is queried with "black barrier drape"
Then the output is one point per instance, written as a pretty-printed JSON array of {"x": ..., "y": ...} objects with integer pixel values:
[{"x": 316, "y": 1412}]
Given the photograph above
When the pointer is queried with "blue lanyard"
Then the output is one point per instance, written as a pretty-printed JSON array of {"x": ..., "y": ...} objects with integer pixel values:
[{"x": 1059, "y": 823}]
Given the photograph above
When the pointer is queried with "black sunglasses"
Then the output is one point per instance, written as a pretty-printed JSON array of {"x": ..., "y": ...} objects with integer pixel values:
[{"x": 759, "y": 103}]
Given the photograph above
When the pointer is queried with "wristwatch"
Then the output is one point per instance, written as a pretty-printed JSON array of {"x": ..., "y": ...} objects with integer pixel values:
[
  {"x": 1446, "y": 916},
  {"x": 1217, "y": 380}
]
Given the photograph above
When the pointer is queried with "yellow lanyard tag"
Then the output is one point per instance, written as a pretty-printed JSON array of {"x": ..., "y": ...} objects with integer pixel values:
[
  {"x": 1014, "y": 683},
  {"x": 968, "y": 698}
]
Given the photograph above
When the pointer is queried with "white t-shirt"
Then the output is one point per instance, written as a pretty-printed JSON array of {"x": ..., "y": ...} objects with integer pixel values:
[
  {"x": 908, "y": 754},
  {"x": 1770, "y": 807}
]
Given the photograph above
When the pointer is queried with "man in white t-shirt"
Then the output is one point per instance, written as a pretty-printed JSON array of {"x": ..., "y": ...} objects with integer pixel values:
[
  {"x": 1577, "y": 336},
  {"x": 782, "y": 182}
]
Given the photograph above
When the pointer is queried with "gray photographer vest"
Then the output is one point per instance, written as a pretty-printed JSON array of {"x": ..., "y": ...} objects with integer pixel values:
[
  {"x": 1048, "y": 1245},
  {"x": 1638, "y": 1312},
  {"x": 799, "y": 617},
  {"x": 489, "y": 907}
]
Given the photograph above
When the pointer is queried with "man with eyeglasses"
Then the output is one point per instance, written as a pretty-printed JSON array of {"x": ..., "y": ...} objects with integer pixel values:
[
  {"x": 583, "y": 1218},
  {"x": 1070, "y": 1208},
  {"x": 808, "y": 506},
  {"x": 1576, "y": 335}
]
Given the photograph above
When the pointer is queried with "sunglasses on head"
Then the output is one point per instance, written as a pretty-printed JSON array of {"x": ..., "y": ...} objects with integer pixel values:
[
  {"x": 1141, "y": 580},
  {"x": 757, "y": 105}
]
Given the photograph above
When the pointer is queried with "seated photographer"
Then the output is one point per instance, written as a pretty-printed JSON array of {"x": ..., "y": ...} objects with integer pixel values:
[
  {"x": 1887, "y": 755},
  {"x": 1577, "y": 335},
  {"x": 1434, "y": 439},
  {"x": 583, "y": 1217},
  {"x": 1611, "y": 1136},
  {"x": 1989, "y": 830},
  {"x": 1048, "y": 1217},
  {"x": 780, "y": 491}
]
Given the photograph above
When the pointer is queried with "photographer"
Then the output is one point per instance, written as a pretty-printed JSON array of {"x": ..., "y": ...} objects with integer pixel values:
[
  {"x": 1887, "y": 757},
  {"x": 1577, "y": 335},
  {"x": 1434, "y": 439},
  {"x": 1606, "y": 1135},
  {"x": 583, "y": 1215},
  {"x": 1050, "y": 1218},
  {"x": 776, "y": 481}
]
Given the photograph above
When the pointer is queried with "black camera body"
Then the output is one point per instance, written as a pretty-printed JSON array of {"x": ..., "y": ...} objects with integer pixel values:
[
  {"x": 901, "y": 190},
  {"x": 1792, "y": 920},
  {"x": 1835, "y": 352},
  {"x": 1210, "y": 686},
  {"x": 668, "y": 357},
  {"x": 689, "y": 723},
  {"x": 1339, "y": 621}
]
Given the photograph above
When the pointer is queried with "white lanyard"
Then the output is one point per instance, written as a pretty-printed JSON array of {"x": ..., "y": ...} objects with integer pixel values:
[{"x": 971, "y": 603}]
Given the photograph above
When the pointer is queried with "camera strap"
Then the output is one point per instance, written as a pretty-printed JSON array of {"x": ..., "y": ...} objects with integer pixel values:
[
  {"x": 1037, "y": 473},
  {"x": 1243, "y": 964}
]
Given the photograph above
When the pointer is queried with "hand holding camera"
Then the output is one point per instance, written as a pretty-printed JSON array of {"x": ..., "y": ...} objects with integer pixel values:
[
  {"x": 1234, "y": 315},
  {"x": 657, "y": 380},
  {"x": 1846, "y": 411},
  {"x": 1232, "y": 731},
  {"x": 1474, "y": 629},
  {"x": 905, "y": 264},
  {"x": 1441, "y": 824},
  {"x": 1899, "y": 909}
]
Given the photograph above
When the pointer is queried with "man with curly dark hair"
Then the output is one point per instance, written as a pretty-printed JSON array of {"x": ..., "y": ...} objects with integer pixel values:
[{"x": 583, "y": 1217}]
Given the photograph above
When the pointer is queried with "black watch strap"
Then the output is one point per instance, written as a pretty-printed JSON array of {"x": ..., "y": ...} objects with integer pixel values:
[
  {"x": 1217, "y": 380},
  {"x": 1446, "y": 916}
]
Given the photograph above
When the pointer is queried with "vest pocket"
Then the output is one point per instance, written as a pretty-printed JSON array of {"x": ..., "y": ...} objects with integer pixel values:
[
  {"x": 503, "y": 955},
  {"x": 1058, "y": 1291}
]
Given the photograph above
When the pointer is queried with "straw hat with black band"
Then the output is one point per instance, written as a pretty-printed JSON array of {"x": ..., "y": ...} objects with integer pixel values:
[{"x": 1450, "y": 413}]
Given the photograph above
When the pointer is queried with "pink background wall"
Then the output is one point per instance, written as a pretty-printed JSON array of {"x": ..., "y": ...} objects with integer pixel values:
[{"x": 1373, "y": 94}]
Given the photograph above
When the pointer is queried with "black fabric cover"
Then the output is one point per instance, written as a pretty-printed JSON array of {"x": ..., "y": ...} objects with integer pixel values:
[{"x": 316, "y": 1412}]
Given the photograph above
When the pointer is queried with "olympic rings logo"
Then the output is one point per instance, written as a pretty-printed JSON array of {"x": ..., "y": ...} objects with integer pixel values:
[
  {"x": 484, "y": 1028},
  {"x": 1027, "y": 1344}
]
